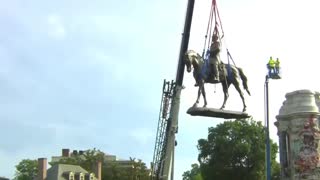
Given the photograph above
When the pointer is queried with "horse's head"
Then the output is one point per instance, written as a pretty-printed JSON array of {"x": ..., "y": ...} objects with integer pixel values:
[{"x": 190, "y": 56}]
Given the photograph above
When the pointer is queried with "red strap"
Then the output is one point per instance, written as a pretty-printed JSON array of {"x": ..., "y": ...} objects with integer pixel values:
[
  {"x": 217, "y": 16},
  {"x": 220, "y": 21},
  {"x": 213, "y": 11},
  {"x": 209, "y": 27}
]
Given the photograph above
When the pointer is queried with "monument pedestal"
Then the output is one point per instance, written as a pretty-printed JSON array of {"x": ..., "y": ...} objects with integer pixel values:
[
  {"x": 299, "y": 136},
  {"x": 213, "y": 112}
]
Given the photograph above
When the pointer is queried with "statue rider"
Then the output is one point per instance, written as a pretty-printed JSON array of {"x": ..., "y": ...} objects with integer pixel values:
[{"x": 214, "y": 58}]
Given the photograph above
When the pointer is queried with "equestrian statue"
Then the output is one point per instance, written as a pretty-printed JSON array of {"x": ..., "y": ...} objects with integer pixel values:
[{"x": 212, "y": 70}]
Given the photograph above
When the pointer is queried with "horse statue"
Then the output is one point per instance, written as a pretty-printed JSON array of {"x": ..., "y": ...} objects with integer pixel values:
[{"x": 228, "y": 75}]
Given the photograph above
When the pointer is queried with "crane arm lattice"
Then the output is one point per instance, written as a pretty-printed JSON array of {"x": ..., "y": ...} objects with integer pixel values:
[{"x": 163, "y": 125}]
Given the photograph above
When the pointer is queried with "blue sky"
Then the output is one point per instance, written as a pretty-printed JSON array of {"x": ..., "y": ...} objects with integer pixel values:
[{"x": 80, "y": 75}]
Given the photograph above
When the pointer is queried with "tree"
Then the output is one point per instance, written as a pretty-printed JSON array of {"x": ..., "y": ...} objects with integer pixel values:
[
  {"x": 193, "y": 174},
  {"x": 26, "y": 170},
  {"x": 140, "y": 170},
  {"x": 235, "y": 150}
]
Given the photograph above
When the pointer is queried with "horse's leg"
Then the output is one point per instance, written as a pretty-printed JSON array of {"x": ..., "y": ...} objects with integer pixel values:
[
  {"x": 204, "y": 94},
  {"x": 199, "y": 93},
  {"x": 237, "y": 86},
  {"x": 225, "y": 86}
]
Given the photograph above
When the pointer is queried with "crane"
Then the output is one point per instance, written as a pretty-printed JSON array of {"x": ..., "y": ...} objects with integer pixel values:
[
  {"x": 163, "y": 157},
  {"x": 162, "y": 167}
]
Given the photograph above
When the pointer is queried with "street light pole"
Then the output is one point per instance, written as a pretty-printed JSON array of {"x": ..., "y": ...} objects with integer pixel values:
[
  {"x": 267, "y": 130},
  {"x": 274, "y": 73}
]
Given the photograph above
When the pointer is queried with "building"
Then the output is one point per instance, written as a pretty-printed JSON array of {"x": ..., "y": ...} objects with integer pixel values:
[
  {"x": 3, "y": 178},
  {"x": 109, "y": 161},
  {"x": 66, "y": 172},
  {"x": 69, "y": 172},
  {"x": 66, "y": 153}
]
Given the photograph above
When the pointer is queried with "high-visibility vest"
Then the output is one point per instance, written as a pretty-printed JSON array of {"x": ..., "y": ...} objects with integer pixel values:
[
  {"x": 272, "y": 63},
  {"x": 277, "y": 63}
]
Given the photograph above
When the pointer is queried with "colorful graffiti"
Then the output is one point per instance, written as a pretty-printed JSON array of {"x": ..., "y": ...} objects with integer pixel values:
[{"x": 308, "y": 156}]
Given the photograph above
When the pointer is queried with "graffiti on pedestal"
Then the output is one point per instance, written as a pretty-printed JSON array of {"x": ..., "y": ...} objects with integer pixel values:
[{"x": 308, "y": 157}]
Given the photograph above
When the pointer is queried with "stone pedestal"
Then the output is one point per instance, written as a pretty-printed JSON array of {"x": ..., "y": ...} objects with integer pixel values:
[{"x": 299, "y": 136}]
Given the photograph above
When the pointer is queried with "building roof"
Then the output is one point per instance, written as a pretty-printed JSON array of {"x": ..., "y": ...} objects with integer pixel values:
[{"x": 56, "y": 171}]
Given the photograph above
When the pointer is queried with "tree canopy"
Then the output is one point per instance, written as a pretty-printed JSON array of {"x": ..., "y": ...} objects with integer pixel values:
[
  {"x": 235, "y": 150},
  {"x": 26, "y": 169},
  {"x": 193, "y": 174}
]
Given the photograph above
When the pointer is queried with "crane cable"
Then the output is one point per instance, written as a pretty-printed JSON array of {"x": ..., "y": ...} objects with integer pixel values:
[
  {"x": 209, "y": 29},
  {"x": 218, "y": 23},
  {"x": 216, "y": 14}
]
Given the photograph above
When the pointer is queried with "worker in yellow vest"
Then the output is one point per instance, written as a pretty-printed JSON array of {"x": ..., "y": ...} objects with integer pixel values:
[
  {"x": 277, "y": 65},
  {"x": 271, "y": 66}
]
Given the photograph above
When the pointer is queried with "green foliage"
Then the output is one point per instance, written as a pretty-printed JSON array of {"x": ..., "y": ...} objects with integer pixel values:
[
  {"x": 193, "y": 174},
  {"x": 26, "y": 170},
  {"x": 235, "y": 150},
  {"x": 136, "y": 171},
  {"x": 275, "y": 170}
]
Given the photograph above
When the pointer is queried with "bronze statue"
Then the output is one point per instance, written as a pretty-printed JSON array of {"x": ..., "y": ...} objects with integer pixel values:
[
  {"x": 193, "y": 59},
  {"x": 214, "y": 57}
]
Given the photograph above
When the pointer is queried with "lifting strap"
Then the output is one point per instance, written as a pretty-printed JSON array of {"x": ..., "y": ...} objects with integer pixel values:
[
  {"x": 217, "y": 16},
  {"x": 229, "y": 55},
  {"x": 214, "y": 14},
  {"x": 205, "y": 67},
  {"x": 229, "y": 66},
  {"x": 209, "y": 29}
]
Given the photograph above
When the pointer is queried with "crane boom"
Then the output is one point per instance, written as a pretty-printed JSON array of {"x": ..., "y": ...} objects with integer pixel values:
[
  {"x": 163, "y": 166},
  {"x": 184, "y": 42}
]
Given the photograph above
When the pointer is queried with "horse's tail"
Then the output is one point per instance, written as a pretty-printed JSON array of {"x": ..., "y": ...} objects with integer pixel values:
[{"x": 244, "y": 80}]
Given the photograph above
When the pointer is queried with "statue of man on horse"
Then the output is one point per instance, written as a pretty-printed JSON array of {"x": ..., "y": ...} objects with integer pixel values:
[
  {"x": 209, "y": 68},
  {"x": 212, "y": 70}
]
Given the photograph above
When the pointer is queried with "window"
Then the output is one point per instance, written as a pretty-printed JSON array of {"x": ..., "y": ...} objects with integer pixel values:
[
  {"x": 71, "y": 176},
  {"x": 81, "y": 177}
]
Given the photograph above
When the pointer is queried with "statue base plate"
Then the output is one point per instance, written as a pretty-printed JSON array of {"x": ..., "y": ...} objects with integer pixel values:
[{"x": 212, "y": 112}]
